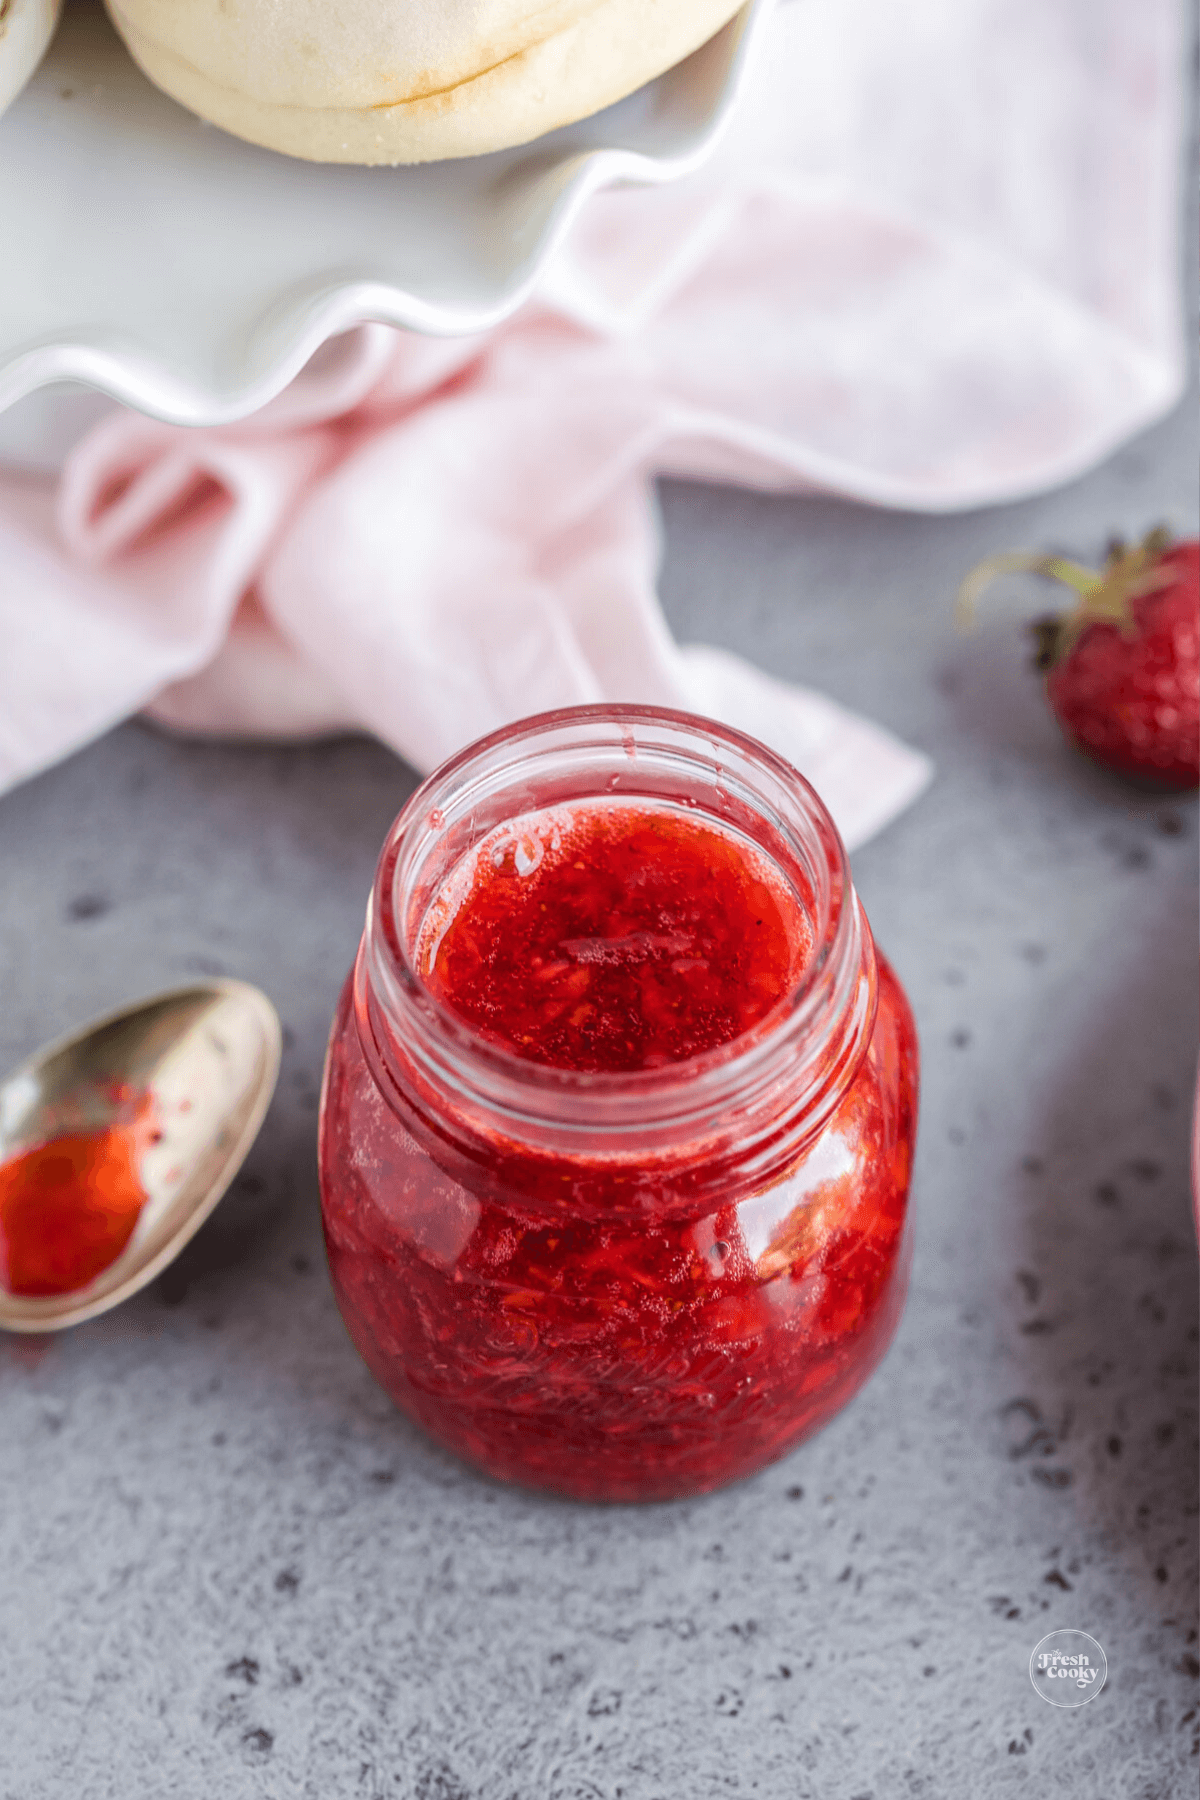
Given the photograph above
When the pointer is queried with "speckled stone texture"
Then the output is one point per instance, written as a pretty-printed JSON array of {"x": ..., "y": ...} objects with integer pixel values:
[{"x": 231, "y": 1569}]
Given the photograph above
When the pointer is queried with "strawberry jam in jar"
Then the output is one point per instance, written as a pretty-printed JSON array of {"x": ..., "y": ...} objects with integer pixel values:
[{"x": 619, "y": 1109}]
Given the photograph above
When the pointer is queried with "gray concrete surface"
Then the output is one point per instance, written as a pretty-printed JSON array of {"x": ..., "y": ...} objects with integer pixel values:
[{"x": 229, "y": 1567}]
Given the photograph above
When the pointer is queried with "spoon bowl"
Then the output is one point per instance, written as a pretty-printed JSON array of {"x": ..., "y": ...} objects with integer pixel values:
[{"x": 205, "y": 1058}]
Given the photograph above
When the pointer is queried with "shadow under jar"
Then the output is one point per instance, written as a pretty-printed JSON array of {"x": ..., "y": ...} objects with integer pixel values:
[{"x": 618, "y": 1282}]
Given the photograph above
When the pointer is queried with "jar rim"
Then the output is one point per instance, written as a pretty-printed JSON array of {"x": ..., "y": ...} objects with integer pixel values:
[{"x": 735, "y": 780}]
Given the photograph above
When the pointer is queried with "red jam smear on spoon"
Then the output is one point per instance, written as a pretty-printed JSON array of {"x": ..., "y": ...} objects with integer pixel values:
[{"x": 68, "y": 1207}]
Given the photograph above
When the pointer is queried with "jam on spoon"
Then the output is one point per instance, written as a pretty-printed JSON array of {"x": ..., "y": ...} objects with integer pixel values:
[{"x": 69, "y": 1206}]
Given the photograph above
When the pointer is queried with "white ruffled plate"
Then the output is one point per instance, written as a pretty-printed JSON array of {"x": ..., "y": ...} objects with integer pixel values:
[{"x": 157, "y": 260}]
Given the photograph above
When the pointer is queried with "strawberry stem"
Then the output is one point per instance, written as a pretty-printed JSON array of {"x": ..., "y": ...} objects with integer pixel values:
[
  {"x": 1020, "y": 562},
  {"x": 1103, "y": 598}
]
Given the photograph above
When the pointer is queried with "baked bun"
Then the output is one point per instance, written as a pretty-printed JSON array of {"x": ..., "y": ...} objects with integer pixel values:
[
  {"x": 404, "y": 81},
  {"x": 26, "y": 27}
]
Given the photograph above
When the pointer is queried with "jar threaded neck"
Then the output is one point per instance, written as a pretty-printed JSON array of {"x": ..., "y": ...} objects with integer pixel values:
[{"x": 740, "y": 1112}]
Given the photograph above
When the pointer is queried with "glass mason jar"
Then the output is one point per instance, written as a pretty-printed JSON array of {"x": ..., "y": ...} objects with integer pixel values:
[{"x": 619, "y": 1286}]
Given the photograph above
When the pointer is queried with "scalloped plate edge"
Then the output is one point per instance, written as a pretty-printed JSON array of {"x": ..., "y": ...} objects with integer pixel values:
[{"x": 150, "y": 387}]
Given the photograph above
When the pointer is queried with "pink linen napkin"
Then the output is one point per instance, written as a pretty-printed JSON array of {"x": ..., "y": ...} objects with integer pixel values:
[{"x": 932, "y": 266}]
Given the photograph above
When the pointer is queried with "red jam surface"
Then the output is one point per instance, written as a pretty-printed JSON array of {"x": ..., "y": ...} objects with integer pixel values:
[
  {"x": 68, "y": 1208},
  {"x": 614, "y": 938},
  {"x": 615, "y": 1353}
]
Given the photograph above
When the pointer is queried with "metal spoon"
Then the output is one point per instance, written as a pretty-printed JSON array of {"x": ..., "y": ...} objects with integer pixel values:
[{"x": 208, "y": 1058}]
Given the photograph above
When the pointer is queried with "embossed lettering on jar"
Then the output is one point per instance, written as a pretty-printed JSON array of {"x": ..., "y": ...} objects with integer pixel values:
[{"x": 619, "y": 1110}]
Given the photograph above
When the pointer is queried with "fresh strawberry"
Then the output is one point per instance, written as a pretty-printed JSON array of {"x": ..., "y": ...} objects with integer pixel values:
[{"x": 1123, "y": 666}]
